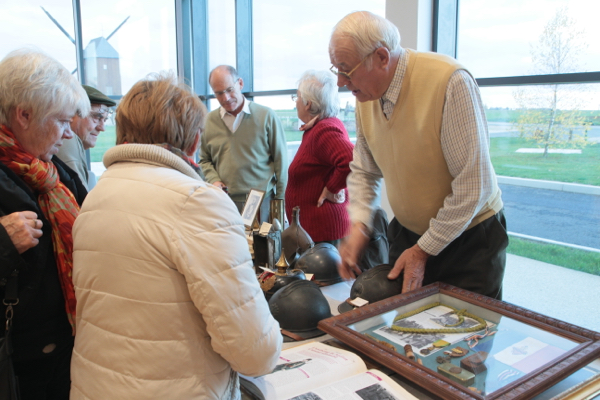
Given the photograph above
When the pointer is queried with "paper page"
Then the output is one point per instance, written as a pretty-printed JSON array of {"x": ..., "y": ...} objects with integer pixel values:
[
  {"x": 368, "y": 385},
  {"x": 307, "y": 366}
]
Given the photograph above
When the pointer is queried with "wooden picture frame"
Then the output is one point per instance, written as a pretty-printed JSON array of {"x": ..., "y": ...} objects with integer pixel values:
[
  {"x": 572, "y": 347},
  {"x": 251, "y": 207}
]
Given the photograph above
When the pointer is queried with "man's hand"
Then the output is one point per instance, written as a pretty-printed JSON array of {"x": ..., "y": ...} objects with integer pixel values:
[
  {"x": 23, "y": 228},
  {"x": 351, "y": 249},
  {"x": 412, "y": 262},
  {"x": 336, "y": 198}
]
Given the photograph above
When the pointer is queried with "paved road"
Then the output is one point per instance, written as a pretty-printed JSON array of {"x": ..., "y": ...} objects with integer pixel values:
[{"x": 550, "y": 214}]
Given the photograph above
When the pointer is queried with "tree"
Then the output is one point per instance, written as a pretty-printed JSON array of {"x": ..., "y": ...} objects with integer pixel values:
[{"x": 551, "y": 115}]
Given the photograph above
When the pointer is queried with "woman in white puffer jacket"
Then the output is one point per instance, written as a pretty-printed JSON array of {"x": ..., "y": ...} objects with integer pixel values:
[{"x": 168, "y": 304}]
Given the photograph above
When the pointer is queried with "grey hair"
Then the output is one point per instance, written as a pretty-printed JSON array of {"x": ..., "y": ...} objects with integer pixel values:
[
  {"x": 368, "y": 32},
  {"x": 320, "y": 88},
  {"x": 35, "y": 81},
  {"x": 232, "y": 71}
]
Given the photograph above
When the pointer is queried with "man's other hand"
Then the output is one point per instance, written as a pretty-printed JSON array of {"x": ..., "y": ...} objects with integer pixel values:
[{"x": 350, "y": 250}]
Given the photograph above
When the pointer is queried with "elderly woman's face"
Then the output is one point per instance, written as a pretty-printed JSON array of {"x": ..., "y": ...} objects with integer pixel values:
[
  {"x": 302, "y": 109},
  {"x": 43, "y": 139}
]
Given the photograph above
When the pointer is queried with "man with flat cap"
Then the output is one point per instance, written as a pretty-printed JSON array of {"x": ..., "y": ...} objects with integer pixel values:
[{"x": 86, "y": 129}]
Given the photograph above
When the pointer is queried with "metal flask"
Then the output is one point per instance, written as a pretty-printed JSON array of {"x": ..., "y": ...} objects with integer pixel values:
[
  {"x": 277, "y": 211},
  {"x": 283, "y": 276},
  {"x": 294, "y": 239}
]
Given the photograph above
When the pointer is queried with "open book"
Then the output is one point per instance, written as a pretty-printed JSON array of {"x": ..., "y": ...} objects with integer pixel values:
[{"x": 317, "y": 371}]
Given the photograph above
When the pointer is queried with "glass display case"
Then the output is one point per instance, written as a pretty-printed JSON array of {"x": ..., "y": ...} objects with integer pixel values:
[{"x": 458, "y": 344}]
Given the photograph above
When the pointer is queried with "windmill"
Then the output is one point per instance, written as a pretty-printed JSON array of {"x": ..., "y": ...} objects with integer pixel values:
[{"x": 101, "y": 61}]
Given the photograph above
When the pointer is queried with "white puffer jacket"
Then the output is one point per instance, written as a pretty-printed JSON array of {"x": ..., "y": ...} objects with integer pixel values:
[{"x": 167, "y": 299}]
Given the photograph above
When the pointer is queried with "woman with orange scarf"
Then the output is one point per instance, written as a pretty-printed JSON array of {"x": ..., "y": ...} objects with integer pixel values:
[{"x": 39, "y": 201}]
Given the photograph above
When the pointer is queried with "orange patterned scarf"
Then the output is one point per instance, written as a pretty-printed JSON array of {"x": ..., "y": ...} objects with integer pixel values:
[{"x": 57, "y": 203}]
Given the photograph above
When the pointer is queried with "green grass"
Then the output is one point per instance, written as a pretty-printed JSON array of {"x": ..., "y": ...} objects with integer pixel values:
[
  {"x": 510, "y": 115},
  {"x": 579, "y": 260},
  {"x": 581, "y": 168},
  {"x": 106, "y": 140}
]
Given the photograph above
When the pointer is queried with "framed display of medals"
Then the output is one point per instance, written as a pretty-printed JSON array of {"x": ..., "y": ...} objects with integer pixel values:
[{"x": 461, "y": 345}]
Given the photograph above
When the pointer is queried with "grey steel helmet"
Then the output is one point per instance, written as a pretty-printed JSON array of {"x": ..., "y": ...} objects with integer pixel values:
[
  {"x": 321, "y": 260},
  {"x": 298, "y": 307},
  {"x": 373, "y": 285}
]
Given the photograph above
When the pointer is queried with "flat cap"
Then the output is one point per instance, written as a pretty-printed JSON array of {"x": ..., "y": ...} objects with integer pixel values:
[{"x": 97, "y": 97}]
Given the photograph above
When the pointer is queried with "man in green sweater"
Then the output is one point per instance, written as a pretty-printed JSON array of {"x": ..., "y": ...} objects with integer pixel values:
[
  {"x": 243, "y": 146},
  {"x": 420, "y": 128}
]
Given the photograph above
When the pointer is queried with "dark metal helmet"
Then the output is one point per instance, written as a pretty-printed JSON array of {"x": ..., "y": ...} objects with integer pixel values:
[
  {"x": 271, "y": 283},
  {"x": 321, "y": 260},
  {"x": 298, "y": 307},
  {"x": 373, "y": 285}
]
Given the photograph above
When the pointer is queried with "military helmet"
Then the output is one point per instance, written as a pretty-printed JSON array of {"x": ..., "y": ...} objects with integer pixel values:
[
  {"x": 373, "y": 285},
  {"x": 322, "y": 261},
  {"x": 298, "y": 307}
]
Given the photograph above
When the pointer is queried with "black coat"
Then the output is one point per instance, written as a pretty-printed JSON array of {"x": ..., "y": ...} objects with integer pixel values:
[{"x": 40, "y": 317}]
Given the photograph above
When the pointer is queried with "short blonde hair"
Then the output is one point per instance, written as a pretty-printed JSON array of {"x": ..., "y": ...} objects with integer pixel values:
[
  {"x": 159, "y": 109},
  {"x": 35, "y": 81}
]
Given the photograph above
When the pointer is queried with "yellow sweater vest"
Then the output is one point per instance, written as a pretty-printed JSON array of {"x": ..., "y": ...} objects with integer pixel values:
[{"x": 407, "y": 148}]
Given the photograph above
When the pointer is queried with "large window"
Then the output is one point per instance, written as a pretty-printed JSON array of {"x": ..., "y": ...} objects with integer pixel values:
[
  {"x": 513, "y": 37},
  {"x": 39, "y": 24},
  {"x": 541, "y": 89},
  {"x": 293, "y": 36},
  {"x": 221, "y": 31},
  {"x": 123, "y": 42}
]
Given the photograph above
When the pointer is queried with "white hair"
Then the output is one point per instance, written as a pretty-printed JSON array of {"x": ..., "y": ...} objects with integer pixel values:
[
  {"x": 320, "y": 88},
  {"x": 35, "y": 81},
  {"x": 368, "y": 32}
]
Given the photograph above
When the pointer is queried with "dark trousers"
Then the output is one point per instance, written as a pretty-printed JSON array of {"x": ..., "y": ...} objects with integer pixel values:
[
  {"x": 46, "y": 378},
  {"x": 474, "y": 261}
]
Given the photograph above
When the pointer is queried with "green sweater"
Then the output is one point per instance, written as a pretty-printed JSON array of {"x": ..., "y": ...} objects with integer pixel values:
[{"x": 254, "y": 157}]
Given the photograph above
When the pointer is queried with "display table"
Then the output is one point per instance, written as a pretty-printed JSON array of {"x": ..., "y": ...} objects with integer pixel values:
[{"x": 565, "y": 389}]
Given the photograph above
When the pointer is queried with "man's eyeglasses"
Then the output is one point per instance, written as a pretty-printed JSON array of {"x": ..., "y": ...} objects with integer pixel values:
[
  {"x": 348, "y": 75},
  {"x": 294, "y": 97},
  {"x": 99, "y": 117},
  {"x": 229, "y": 90}
]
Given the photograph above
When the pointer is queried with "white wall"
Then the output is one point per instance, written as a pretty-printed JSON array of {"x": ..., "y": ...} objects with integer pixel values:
[{"x": 414, "y": 19}]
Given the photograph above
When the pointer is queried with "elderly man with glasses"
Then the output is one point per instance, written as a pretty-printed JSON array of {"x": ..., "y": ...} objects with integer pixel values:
[
  {"x": 421, "y": 128},
  {"x": 86, "y": 130},
  {"x": 243, "y": 146}
]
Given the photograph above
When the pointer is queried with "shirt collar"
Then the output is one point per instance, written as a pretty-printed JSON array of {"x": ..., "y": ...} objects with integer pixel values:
[
  {"x": 309, "y": 124},
  {"x": 393, "y": 91},
  {"x": 245, "y": 109}
]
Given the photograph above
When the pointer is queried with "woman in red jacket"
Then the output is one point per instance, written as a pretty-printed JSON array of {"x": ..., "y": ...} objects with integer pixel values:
[{"x": 317, "y": 175}]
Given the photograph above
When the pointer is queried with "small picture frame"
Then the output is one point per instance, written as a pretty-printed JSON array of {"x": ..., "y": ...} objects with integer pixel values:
[{"x": 253, "y": 202}]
